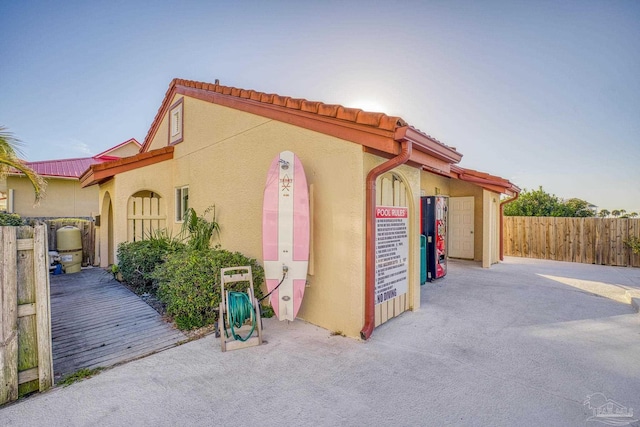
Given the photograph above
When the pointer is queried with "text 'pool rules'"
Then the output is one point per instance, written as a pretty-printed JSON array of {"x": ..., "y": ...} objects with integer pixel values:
[{"x": 392, "y": 251}]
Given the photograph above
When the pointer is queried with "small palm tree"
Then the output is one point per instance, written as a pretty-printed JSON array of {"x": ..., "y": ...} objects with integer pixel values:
[
  {"x": 9, "y": 151},
  {"x": 604, "y": 213},
  {"x": 199, "y": 229}
]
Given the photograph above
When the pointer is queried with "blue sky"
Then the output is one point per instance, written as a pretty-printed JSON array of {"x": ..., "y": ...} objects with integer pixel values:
[{"x": 539, "y": 92}]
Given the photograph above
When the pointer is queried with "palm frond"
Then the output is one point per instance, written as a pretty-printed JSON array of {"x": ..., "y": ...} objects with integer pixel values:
[
  {"x": 200, "y": 230},
  {"x": 9, "y": 151}
]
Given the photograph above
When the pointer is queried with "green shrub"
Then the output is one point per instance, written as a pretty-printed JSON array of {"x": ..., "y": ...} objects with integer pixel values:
[
  {"x": 634, "y": 243},
  {"x": 199, "y": 229},
  {"x": 10, "y": 219},
  {"x": 189, "y": 284},
  {"x": 137, "y": 260}
]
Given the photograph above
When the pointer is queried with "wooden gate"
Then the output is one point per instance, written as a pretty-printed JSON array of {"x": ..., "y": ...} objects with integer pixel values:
[
  {"x": 25, "y": 322},
  {"x": 391, "y": 191},
  {"x": 145, "y": 215}
]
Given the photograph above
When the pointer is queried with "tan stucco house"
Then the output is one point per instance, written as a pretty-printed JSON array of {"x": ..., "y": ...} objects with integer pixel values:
[
  {"x": 212, "y": 144},
  {"x": 64, "y": 197}
]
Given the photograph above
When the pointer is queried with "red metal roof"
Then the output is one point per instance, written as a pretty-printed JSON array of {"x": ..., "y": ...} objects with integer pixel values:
[
  {"x": 64, "y": 168},
  {"x": 72, "y": 168}
]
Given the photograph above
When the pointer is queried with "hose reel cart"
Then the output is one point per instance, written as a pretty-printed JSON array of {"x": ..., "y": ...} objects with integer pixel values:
[{"x": 239, "y": 317}]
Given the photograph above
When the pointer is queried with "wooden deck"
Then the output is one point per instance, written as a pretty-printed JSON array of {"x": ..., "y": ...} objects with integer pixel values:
[{"x": 97, "y": 322}]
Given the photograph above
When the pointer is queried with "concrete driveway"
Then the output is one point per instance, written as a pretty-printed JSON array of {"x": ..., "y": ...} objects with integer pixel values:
[{"x": 511, "y": 345}]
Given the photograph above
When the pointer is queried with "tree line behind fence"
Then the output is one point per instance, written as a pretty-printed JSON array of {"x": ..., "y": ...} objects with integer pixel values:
[{"x": 587, "y": 240}]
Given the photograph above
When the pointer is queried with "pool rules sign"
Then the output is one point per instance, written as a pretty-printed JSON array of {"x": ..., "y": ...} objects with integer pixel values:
[{"x": 392, "y": 251}]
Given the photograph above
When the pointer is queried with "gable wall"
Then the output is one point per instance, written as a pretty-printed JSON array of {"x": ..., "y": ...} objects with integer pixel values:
[
  {"x": 224, "y": 160},
  {"x": 126, "y": 150}
]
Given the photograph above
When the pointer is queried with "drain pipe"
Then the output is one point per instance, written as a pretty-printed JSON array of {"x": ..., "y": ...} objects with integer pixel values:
[
  {"x": 502, "y": 203},
  {"x": 370, "y": 255}
]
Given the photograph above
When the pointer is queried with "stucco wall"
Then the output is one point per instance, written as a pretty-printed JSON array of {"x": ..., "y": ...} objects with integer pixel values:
[
  {"x": 130, "y": 149},
  {"x": 491, "y": 228},
  {"x": 156, "y": 178},
  {"x": 486, "y": 220},
  {"x": 63, "y": 198},
  {"x": 105, "y": 232},
  {"x": 161, "y": 138},
  {"x": 434, "y": 185},
  {"x": 224, "y": 160}
]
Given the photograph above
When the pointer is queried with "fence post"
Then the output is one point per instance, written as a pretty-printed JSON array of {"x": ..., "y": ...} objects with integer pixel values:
[
  {"x": 26, "y": 362},
  {"x": 43, "y": 306},
  {"x": 634, "y": 231},
  {"x": 9, "y": 316}
]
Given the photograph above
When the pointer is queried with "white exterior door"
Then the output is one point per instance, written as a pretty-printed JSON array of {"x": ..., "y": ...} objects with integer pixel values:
[{"x": 461, "y": 236}]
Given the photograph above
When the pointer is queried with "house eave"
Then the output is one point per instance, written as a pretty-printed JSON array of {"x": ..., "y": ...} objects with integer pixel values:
[
  {"x": 103, "y": 172},
  {"x": 425, "y": 144},
  {"x": 488, "y": 182}
]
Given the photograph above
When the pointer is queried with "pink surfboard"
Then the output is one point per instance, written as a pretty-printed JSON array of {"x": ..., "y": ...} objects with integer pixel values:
[{"x": 285, "y": 234}]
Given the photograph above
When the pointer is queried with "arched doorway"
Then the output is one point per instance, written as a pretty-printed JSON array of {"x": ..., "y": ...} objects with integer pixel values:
[
  {"x": 393, "y": 247},
  {"x": 107, "y": 246}
]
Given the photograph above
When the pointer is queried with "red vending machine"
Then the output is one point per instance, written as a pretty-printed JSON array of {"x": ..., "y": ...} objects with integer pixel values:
[{"x": 434, "y": 227}]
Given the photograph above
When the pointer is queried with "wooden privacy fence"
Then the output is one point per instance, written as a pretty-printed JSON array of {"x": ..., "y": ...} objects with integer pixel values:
[
  {"x": 25, "y": 319},
  {"x": 586, "y": 240}
]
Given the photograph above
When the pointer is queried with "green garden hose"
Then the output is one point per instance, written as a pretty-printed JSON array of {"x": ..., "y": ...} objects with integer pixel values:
[{"x": 240, "y": 310}]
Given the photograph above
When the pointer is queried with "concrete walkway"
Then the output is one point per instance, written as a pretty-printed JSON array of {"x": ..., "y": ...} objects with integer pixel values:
[{"x": 504, "y": 346}]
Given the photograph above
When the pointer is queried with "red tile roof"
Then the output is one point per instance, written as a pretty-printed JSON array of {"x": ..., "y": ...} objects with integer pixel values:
[
  {"x": 491, "y": 182},
  {"x": 379, "y": 121}
]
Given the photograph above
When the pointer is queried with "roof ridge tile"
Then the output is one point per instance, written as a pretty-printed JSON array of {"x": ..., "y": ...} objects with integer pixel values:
[
  {"x": 347, "y": 113},
  {"x": 294, "y": 103},
  {"x": 310, "y": 106},
  {"x": 354, "y": 115}
]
